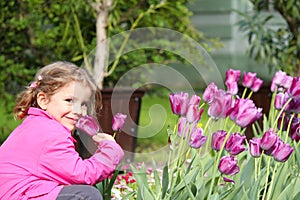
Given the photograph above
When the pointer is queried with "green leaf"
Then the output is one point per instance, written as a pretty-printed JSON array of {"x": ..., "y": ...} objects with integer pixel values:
[
  {"x": 279, "y": 180},
  {"x": 165, "y": 180},
  {"x": 146, "y": 193},
  {"x": 246, "y": 177}
]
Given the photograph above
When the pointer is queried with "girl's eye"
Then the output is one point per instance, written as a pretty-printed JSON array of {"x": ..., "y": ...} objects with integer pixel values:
[{"x": 69, "y": 100}]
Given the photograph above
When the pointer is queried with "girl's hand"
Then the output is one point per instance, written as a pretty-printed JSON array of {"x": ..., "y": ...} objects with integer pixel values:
[{"x": 102, "y": 136}]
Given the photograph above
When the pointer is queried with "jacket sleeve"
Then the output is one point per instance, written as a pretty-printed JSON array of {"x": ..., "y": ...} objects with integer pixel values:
[{"x": 61, "y": 163}]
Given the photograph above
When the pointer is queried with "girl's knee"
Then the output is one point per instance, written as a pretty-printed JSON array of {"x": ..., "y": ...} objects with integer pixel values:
[{"x": 79, "y": 192}]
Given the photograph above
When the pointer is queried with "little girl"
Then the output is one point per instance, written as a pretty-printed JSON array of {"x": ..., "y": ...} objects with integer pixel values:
[{"x": 38, "y": 160}]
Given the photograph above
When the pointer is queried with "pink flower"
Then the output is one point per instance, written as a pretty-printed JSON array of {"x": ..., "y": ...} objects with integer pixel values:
[
  {"x": 197, "y": 138},
  {"x": 235, "y": 144},
  {"x": 179, "y": 103},
  {"x": 195, "y": 100},
  {"x": 217, "y": 140},
  {"x": 282, "y": 151},
  {"x": 118, "y": 121},
  {"x": 268, "y": 140},
  {"x": 294, "y": 90},
  {"x": 255, "y": 149},
  {"x": 256, "y": 84},
  {"x": 221, "y": 105},
  {"x": 248, "y": 79},
  {"x": 232, "y": 78},
  {"x": 88, "y": 124},
  {"x": 245, "y": 112},
  {"x": 281, "y": 79},
  {"x": 295, "y": 129},
  {"x": 280, "y": 100},
  {"x": 228, "y": 165},
  {"x": 209, "y": 92},
  {"x": 182, "y": 127},
  {"x": 193, "y": 113}
]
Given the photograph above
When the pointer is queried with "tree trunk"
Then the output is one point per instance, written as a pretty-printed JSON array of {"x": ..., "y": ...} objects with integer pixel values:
[{"x": 101, "y": 54}]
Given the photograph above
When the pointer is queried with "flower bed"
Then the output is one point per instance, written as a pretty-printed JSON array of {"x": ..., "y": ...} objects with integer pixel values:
[{"x": 216, "y": 161}]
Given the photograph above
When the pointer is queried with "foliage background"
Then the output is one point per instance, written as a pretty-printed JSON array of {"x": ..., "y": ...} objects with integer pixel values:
[{"x": 34, "y": 33}]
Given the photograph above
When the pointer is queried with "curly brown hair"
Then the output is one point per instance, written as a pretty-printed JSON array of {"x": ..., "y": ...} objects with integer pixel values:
[{"x": 51, "y": 78}]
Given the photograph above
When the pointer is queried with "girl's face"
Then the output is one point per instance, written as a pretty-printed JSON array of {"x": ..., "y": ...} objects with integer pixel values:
[{"x": 69, "y": 103}]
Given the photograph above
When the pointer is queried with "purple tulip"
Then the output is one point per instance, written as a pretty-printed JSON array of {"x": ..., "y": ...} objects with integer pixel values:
[
  {"x": 209, "y": 92},
  {"x": 118, "y": 121},
  {"x": 195, "y": 100},
  {"x": 197, "y": 138},
  {"x": 282, "y": 151},
  {"x": 248, "y": 79},
  {"x": 228, "y": 180},
  {"x": 179, "y": 103},
  {"x": 235, "y": 144},
  {"x": 268, "y": 140},
  {"x": 217, "y": 140},
  {"x": 228, "y": 165},
  {"x": 182, "y": 127},
  {"x": 245, "y": 112},
  {"x": 294, "y": 90},
  {"x": 293, "y": 106},
  {"x": 255, "y": 149},
  {"x": 257, "y": 84},
  {"x": 232, "y": 78},
  {"x": 221, "y": 105},
  {"x": 281, "y": 79},
  {"x": 88, "y": 124},
  {"x": 295, "y": 129},
  {"x": 193, "y": 113},
  {"x": 280, "y": 100}
]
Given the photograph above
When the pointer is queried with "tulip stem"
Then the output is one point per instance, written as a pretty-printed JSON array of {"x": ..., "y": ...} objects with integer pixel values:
[
  {"x": 250, "y": 94},
  {"x": 217, "y": 159},
  {"x": 244, "y": 92},
  {"x": 289, "y": 127},
  {"x": 281, "y": 111},
  {"x": 272, "y": 181},
  {"x": 267, "y": 178},
  {"x": 272, "y": 109},
  {"x": 255, "y": 169}
]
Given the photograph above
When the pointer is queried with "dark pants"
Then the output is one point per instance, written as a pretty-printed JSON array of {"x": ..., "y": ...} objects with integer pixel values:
[{"x": 79, "y": 192}]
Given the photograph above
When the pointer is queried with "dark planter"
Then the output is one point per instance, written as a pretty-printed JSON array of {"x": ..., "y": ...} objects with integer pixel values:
[{"x": 127, "y": 101}]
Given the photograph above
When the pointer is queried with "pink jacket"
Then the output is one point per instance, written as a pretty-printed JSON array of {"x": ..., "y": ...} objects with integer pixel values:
[{"x": 39, "y": 158}]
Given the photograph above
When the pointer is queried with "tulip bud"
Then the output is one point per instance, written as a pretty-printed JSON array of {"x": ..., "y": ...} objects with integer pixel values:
[
  {"x": 248, "y": 79},
  {"x": 294, "y": 90},
  {"x": 232, "y": 78},
  {"x": 193, "y": 114},
  {"x": 245, "y": 112},
  {"x": 217, "y": 140},
  {"x": 268, "y": 140},
  {"x": 88, "y": 124},
  {"x": 209, "y": 92},
  {"x": 195, "y": 100},
  {"x": 221, "y": 105},
  {"x": 228, "y": 165},
  {"x": 197, "y": 138},
  {"x": 182, "y": 127},
  {"x": 257, "y": 83},
  {"x": 118, "y": 121},
  {"x": 255, "y": 149},
  {"x": 295, "y": 129},
  {"x": 235, "y": 144},
  {"x": 282, "y": 152},
  {"x": 179, "y": 103}
]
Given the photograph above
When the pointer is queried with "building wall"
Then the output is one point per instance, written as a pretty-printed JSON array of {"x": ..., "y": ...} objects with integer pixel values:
[{"x": 217, "y": 19}]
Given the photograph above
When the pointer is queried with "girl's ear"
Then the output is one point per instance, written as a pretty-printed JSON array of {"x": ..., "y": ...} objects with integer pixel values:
[{"x": 42, "y": 100}]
